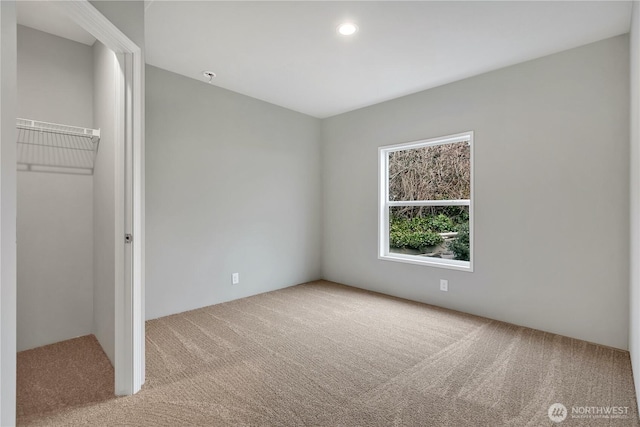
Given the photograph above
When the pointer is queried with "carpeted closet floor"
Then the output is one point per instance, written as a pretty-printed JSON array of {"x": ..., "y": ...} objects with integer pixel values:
[
  {"x": 322, "y": 354},
  {"x": 62, "y": 375}
]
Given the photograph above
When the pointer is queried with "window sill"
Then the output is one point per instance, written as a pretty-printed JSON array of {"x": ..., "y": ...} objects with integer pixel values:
[{"x": 430, "y": 262}]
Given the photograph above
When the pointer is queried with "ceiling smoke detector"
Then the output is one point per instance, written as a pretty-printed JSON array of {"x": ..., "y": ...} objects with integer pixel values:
[{"x": 209, "y": 75}]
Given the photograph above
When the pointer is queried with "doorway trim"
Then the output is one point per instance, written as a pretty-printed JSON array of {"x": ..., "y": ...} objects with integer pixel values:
[{"x": 129, "y": 257}]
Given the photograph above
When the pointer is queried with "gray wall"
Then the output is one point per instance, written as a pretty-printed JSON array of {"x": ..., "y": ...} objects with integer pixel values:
[
  {"x": 55, "y": 79},
  {"x": 8, "y": 84},
  {"x": 55, "y": 257},
  {"x": 634, "y": 254},
  {"x": 233, "y": 185},
  {"x": 551, "y": 193},
  {"x": 55, "y": 212},
  {"x": 104, "y": 200}
]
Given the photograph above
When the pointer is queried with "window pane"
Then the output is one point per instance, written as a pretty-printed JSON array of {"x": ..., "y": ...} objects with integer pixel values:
[
  {"x": 436, "y": 232},
  {"x": 438, "y": 172}
]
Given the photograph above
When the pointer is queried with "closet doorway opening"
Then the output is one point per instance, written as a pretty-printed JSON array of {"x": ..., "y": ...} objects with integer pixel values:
[{"x": 81, "y": 192}]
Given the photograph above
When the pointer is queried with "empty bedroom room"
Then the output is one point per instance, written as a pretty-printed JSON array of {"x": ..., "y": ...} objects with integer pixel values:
[{"x": 356, "y": 214}]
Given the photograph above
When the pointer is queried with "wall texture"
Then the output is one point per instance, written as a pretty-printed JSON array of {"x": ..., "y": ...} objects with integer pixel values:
[
  {"x": 551, "y": 193},
  {"x": 634, "y": 197},
  {"x": 233, "y": 185},
  {"x": 55, "y": 211},
  {"x": 55, "y": 257},
  {"x": 8, "y": 84},
  {"x": 104, "y": 200},
  {"x": 55, "y": 79}
]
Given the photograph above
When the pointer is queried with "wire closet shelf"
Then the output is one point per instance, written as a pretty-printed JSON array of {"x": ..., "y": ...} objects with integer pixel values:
[{"x": 52, "y": 147}]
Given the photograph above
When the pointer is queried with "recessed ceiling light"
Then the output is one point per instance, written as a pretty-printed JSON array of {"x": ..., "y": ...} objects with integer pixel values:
[{"x": 347, "y": 29}]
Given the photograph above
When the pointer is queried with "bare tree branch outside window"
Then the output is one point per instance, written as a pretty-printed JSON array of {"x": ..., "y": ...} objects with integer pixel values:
[
  {"x": 439, "y": 172},
  {"x": 430, "y": 173}
]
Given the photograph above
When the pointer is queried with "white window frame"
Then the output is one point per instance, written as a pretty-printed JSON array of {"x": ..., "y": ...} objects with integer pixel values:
[{"x": 384, "y": 204}]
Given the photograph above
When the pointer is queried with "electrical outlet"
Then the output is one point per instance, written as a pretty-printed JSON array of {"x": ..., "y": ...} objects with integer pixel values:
[
  {"x": 444, "y": 285},
  {"x": 235, "y": 278}
]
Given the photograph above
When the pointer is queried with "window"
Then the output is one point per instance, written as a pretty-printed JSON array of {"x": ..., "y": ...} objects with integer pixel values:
[{"x": 426, "y": 202}]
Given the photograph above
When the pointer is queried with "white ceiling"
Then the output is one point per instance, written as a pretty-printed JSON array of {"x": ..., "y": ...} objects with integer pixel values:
[
  {"x": 48, "y": 17},
  {"x": 289, "y": 53}
]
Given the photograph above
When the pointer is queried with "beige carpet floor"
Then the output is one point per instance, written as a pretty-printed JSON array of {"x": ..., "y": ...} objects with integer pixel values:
[
  {"x": 62, "y": 375},
  {"x": 322, "y": 354}
]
